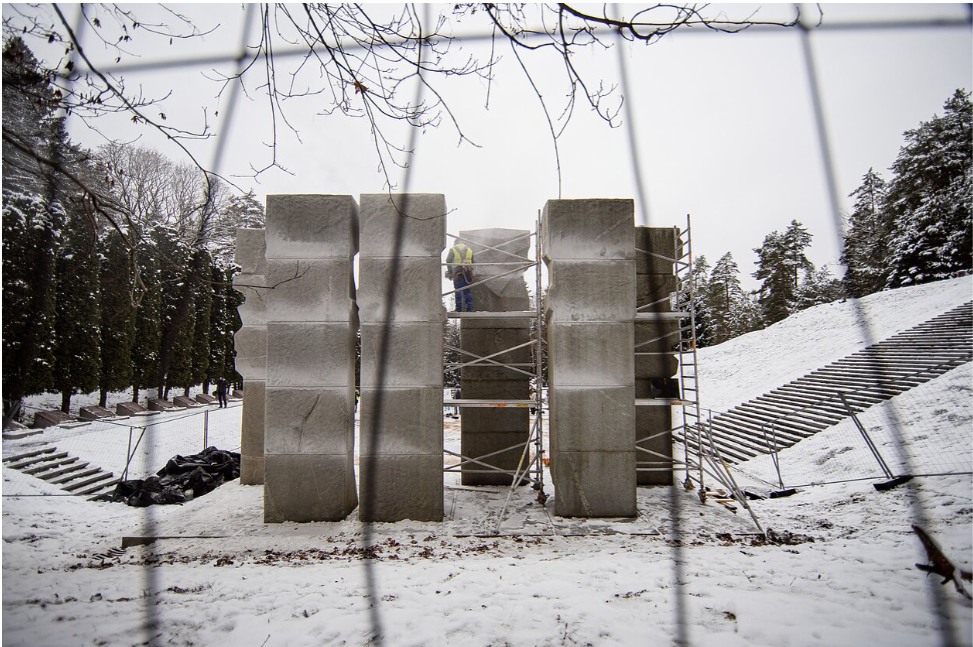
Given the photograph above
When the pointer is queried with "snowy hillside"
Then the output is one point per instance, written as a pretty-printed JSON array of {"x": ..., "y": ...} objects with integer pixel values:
[
  {"x": 844, "y": 574},
  {"x": 747, "y": 366}
]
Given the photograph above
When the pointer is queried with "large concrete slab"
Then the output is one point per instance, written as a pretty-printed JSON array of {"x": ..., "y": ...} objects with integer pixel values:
[
  {"x": 660, "y": 243},
  {"x": 309, "y": 487},
  {"x": 414, "y": 355},
  {"x": 250, "y": 343},
  {"x": 314, "y": 354},
  {"x": 594, "y": 484},
  {"x": 592, "y": 290},
  {"x": 591, "y": 354},
  {"x": 579, "y": 414},
  {"x": 310, "y": 420},
  {"x": 417, "y": 295},
  {"x": 591, "y": 229},
  {"x": 311, "y": 226},
  {"x": 417, "y": 480},
  {"x": 252, "y": 433},
  {"x": 315, "y": 290},
  {"x": 411, "y": 421},
  {"x": 250, "y": 251},
  {"x": 501, "y": 450},
  {"x": 421, "y": 215}
]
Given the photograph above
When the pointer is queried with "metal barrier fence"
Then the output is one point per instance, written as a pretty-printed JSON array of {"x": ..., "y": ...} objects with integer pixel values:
[{"x": 136, "y": 447}]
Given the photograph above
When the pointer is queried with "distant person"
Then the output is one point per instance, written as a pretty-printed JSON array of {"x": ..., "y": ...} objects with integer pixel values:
[
  {"x": 222, "y": 386},
  {"x": 459, "y": 267}
]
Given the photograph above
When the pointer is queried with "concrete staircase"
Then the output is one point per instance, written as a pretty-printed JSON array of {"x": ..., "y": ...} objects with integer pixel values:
[
  {"x": 805, "y": 406},
  {"x": 67, "y": 472}
]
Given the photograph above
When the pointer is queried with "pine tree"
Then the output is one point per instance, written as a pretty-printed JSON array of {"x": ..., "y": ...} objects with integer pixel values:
[
  {"x": 779, "y": 262},
  {"x": 117, "y": 315},
  {"x": 203, "y": 305},
  {"x": 77, "y": 324},
  {"x": 818, "y": 286},
  {"x": 148, "y": 324},
  {"x": 176, "y": 323},
  {"x": 30, "y": 230},
  {"x": 865, "y": 251},
  {"x": 723, "y": 292},
  {"x": 929, "y": 198},
  {"x": 702, "y": 316}
]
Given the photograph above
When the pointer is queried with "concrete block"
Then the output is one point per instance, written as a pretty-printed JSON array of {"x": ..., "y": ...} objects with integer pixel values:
[
  {"x": 253, "y": 310},
  {"x": 591, "y": 290},
  {"x": 185, "y": 401},
  {"x": 592, "y": 229},
  {"x": 647, "y": 366},
  {"x": 418, "y": 290},
  {"x": 411, "y": 421},
  {"x": 591, "y": 354},
  {"x": 397, "y": 487},
  {"x": 656, "y": 336},
  {"x": 486, "y": 341},
  {"x": 658, "y": 240},
  {"x": 414, "y": 355},
  {"x": 594, "y": 484},
  {"x": 498, "y": 245},
  {"x": 320, "y": 290},
  {"x": 250, "y": 343},
  {"x": 159, "y": 404},
  {"x": 252, "y": 433},
  {"x": 315, "y": 354},
  {"x": 308, "y": 487},
  {"x": 593, "y": 419},
  {"x": 653, "y": 432},
  {"x": 656, "y": 290},
  {"x": 311, "y": 226},
  {"x": 422, "y": 215},
  {"x": 206, "y": 398},
  {"x": 94, "y": 413},
  {"x": 309, "y": 421},
  {"x": 250, "y": 251},
  {"x": 506, "y": 449},
  {"x": 130, "y": 409},
  {"x": 509, "y": 389},
  {"x": 493, "y": 420},
  {"x": 657, "y": 387}
]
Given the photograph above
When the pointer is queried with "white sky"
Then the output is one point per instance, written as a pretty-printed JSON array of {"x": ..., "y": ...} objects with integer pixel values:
[{"x": 724, "y": 124}]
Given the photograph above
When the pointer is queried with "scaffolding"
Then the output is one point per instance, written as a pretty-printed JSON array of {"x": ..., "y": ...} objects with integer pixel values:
[
  {"x": 530, "y": 467},
  {"x": 700, "y": 456}
]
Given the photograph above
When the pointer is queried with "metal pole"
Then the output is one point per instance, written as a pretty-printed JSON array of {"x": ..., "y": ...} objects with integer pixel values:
[
  {"x": 128, "y": 454},
  {"x": 539, "y": 364},
  {"x": 205, "y": 429},
  {"x": 868, "y": 440}
]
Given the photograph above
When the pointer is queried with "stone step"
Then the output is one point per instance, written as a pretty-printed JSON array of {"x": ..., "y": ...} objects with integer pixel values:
[
  {"x": 37, "y": 459},
  {"x": 50, "y": 465},
  {"x": 37, "y": 452},
  {"x": 77, "y": 485},
  {"x": 74, "y": 467},
  {"x": 76, "y": 475}
]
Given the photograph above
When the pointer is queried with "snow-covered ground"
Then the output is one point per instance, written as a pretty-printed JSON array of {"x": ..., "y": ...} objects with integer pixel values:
[{"x": 682, "y": 570}]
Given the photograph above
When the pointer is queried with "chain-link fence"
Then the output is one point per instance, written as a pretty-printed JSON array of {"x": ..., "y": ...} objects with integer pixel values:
[{"x": 128, "y": 448}]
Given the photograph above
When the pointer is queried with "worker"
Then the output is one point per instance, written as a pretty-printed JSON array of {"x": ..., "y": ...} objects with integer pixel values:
[{"x": 459, "y": 267}]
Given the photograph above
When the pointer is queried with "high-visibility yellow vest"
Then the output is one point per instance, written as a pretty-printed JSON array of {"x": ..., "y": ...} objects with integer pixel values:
[{"x": 460, "y": 253}]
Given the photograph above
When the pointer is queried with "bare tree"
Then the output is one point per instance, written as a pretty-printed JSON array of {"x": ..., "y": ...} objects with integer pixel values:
[{"x": 359, "y": 61}]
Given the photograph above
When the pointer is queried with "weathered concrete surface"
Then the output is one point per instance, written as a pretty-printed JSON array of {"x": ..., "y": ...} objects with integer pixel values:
[
  {"x": 655, "y": 282},
  {"x": 492, "y": 430},
  {"x": 309, "y": 472},
  {"x": 590, "y": 253},
  {"x": 402, "y": 318},
  {"x": 250, "y": 343}
]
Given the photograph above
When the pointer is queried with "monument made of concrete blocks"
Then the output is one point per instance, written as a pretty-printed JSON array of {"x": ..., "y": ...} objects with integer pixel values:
[
  {"x": 250, "y": 343},
  {"x": 496, "y": 436},
  {"x": 589, "y": 249},
  {"x": 312, "y": 322},
  {"x": 402, "y": 319},
  {"x": 655, "y": 364}
]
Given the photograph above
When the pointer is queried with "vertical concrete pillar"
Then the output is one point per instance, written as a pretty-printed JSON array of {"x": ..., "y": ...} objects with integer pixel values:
[
  {"x": 491, "y": 430},
  {"x": 312, "y": 321},
  {"x": 250, "y": 343},
  {"x": 402, "y": 319},
  {"x": 655, "y": 365},
  {"x": 589, "y": 249}
]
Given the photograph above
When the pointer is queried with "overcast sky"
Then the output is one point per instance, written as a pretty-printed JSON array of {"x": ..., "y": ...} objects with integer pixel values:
[{"x": 724, "y": 125}]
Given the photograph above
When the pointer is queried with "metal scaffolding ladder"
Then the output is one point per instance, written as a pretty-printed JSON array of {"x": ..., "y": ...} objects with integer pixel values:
[
  {"x": 701, "y": 456},
  {"x": 530, "y": 467}
]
